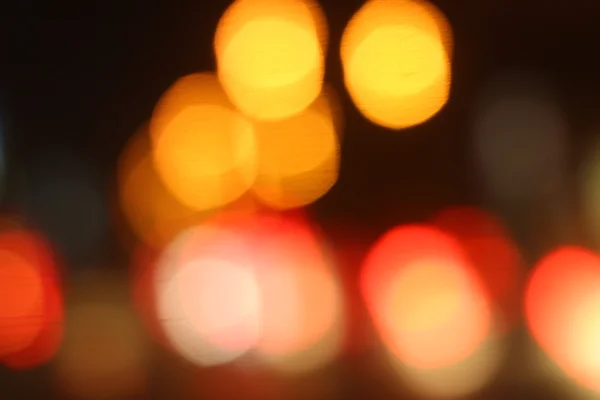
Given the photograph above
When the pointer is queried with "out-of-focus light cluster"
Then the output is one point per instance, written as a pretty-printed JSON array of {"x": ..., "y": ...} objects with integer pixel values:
[
  {"x": 396, "y": 58},
  {"x": 240, "y": 284},
  {"x": 443, "y": 295},
  {"x": 104, "y": 354},
  {"x": 217, "y": 280},
  {"x": 31, "y": 309},
  {"x": 209, "y": 155},
  {"x": 264, "y": 123}
]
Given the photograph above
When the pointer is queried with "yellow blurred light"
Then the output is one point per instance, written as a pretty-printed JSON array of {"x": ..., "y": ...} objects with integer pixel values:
[
  {"x": 101, "y": 355},
  {"x": 152, "y": 212},
  {"x": 430, "y": 297},
  {"x": 457, "y": 380},
  {"x": 396, "y": 59},
  {"x": 104, "y": 351},
  {"x": 586, "y": 328},
  {"x": 270, "y": 56},
  {"x": 204, "y": 150},
  {"x": 298, "y": 157}
]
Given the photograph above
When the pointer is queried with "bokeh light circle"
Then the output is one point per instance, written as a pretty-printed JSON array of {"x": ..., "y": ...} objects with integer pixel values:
[
  {"x": 31, "y": 325},
  {"x": 562, "y": 306},
  {"x": 427, "y": 303},
  {"x": 298, "y": 157},
  {"x": 21, "y": 302},
  {"x": 207, "y": 296},
  {"x": 396, "y": 60},
  {"x": 204, "y": 150},
  {"x": 270, "y": 56}
]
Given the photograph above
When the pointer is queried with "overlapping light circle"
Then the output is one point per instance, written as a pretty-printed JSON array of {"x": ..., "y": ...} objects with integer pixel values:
[
  {"x": 204, "y": 150},
  {"x": 493, "y": 255},
  {"x": 303, "y": 304},
  {"x": 298, "y": 158},
  {"x": 431, "y": 311},
  {"x": 250, "y": 283},
  {"x": 418, "y": 284},
  {"x": 151, "y": 210}
]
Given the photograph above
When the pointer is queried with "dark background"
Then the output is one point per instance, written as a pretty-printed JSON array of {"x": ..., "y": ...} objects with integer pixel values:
[{"x": 82, "y": 76}]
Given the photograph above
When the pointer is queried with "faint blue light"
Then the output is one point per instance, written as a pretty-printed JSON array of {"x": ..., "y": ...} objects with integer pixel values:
[
  {"x": 63, "y": 197},
  {"x": 2, "y": 154}
]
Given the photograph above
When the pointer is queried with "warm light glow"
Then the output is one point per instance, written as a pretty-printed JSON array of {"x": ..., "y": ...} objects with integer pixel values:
[
  {"x": 590, "y": 190},
  {"x": 101, "y": 353},
  {"x": 396, "y": 59},
  {"x": 493, "y": 255},
  {"x": 298, "y": 157},
  {"x": 21, "y": 302},
  {"x": 142, "y": 273},
  {"x": 218, "y": 300},
  {"x": 562, "y": 305},
  {"x": 34, "y": 336},
  {"x": 207, "y": 295},
  {"x": 104, "y": 354},
  {"x": 46, "y": 343},
  {"x": 426, "y": 302},
  {"x": 153, "y": 213},
  {"x": 204, "y": 151},
  {"x": 302, "y": 299},
  {"x": 270, "y": 56},
  {"x": 433, "y": 299}
]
